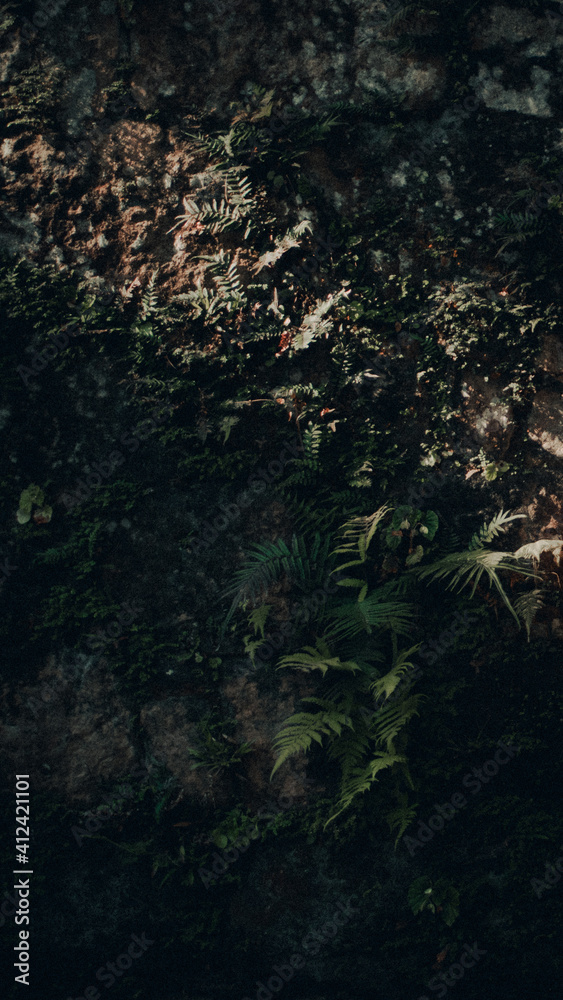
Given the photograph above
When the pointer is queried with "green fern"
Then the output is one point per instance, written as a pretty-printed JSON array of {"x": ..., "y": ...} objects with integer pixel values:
[
  {"x": 283, "y": 245},
  {"x": 521, "y": 227},
  {"x": 356, "y": 617},
  {"x": 462, "y": 567},
  {"x": 149, "y": 301},
  {"x": 527, "y": 607},
  {"x": 401, "y": 818},
  {"x": 358, "y": 533},
  {"x": 374, "y": 738},
  {"x": 490, "y": 531},
  {"x": 228, "y": 213},
  {"x": 358, "y": 780},
  {"x": 386, "y": 686},
  {"x": 226, "y": 276},
  {"x": 518, "y": 222},
  {"x": 318, "y": 658},
  {"x": 314, "y": 325},
  {"x": 266, "y": 563},
  {"x": 202, "y": 302},
  {"x": 301, "y": 729},
  {"x": 389, "y": 722},
  {"x": 258, "y": 618},
  {"x": 307, "y": 465},
  {"x": 214, "y": 217},
  {"x": 323, "y": 509}
]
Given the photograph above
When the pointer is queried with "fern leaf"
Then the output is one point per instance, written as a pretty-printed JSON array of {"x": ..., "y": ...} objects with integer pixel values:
[
  {"x": 149, "y": 301},
  {"x": 401, "y": 818},
  {"x": 361, "y": 526},
  {"x": 385, "y": 686},
  {"x": 489, "y": 531},
  {"x": 463, "y": 567},
  {"x": 389, "y": 721},
  {"x": 263, "y": 566},
  {"x": 282, "y": 246},
  {"x": 317, "y": 658},
  {"x": 258, "y": 618},
  {"x": 527, "y": 607},
  {"x": 313, "y": 324},
  {"x": 360, "y": 780},
  {"x": 301, "y": 729},
  {"x": 364, "y": 616}
]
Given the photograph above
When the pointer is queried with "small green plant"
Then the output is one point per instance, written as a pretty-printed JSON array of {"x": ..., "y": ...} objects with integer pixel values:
[
  {"x": 493, "y": 470},
  {"x": 440, "y": 897},
  {"x": 410, "y": 522},
  {"x": 30, "y": 496},
  {"x": 217, "y": 750},
  {"x": 33, "y": 98}
]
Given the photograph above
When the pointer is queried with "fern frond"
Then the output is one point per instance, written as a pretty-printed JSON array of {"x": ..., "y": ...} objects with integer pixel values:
[
  {"x": 519, "y": 222},
  {"x": 258, "y": 617},
  {"x": 389, "y": 721},
  {"x": 202, "y": 302},
  {"x": 318, "y": 658},
  {"x": 229, "y": 213},
  {"x": 527, "y": 607},
  {"x": 462, "y": 567},
  {"x": 356, "y": 617},
  {"x": 385, "y": 686},
  {"x": 282, "y": 246},
  {"x": 359, "y": 531},
  {"x": 226, "y": 276},
  {"x": 264, "y": 565},
  {"x": 301, "y": 729},
  {"x": 401, "y": 818},
  {"x": 313, "y": 324},
  {"x": 360, "y": 780},
  {"x": 450, "y": 541},
  {"x": 149, "y": 301},
  {"x": 307, "y": 465},
  {"x": 351, "y": 749},
  {"x": 489, "y": 531}
]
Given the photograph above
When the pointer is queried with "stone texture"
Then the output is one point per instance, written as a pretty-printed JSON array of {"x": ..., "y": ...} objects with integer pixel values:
[{"x": 545, "y": 424}]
